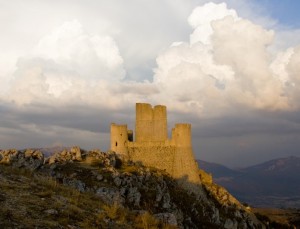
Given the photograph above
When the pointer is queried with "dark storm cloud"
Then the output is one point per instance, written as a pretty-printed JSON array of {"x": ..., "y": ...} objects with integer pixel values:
[{"x": 75, "y": 117}]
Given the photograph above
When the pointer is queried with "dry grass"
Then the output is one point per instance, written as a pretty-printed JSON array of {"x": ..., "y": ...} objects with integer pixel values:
[
  {"x": 25, "y": 199},
  {"x": 146, "y": 221},
  {"x": 35, "y": 200}
]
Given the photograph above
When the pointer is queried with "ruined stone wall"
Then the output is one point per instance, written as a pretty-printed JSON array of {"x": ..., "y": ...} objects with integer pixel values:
[
  {"x": 158, "y": 156},
  {"x": 152, "y": 146},
  {"x": 181, "y": 135},
  {"x": 185, "y": 167},
  {"x": 178, "y": 161},
  {"x": 151, "y": 123}
]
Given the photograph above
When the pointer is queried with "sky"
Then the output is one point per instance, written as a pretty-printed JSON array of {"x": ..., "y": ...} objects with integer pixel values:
[{"x": 231, "y": 68}]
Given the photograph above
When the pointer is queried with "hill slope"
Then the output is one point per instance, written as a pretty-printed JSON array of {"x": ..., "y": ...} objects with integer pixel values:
[{"x": 79, "y": 189}]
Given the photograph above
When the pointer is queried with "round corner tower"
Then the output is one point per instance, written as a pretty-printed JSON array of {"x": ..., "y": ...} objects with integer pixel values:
[
  {"x": 119, "y": 139},
  {"x": 181, "y": 135}
]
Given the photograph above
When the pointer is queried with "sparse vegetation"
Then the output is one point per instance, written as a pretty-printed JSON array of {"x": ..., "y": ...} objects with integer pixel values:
[
  {"x": 40, "y": 201},
  {"x": 44, "y": 202},
  {"x": 103, "y": 193}
]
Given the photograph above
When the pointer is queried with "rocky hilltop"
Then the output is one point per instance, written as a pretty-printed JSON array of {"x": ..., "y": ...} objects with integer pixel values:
[{"x": 75, "y": 188}]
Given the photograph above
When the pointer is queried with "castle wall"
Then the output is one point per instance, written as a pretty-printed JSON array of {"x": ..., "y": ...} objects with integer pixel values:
[
  {"x": 158, "y": 156},
  {"x": 152, "y": 146},
  {"x": 160, "y": 129},
  {"x": 185, "y": 166},
  {"x": 181, "y": 135},
  {"x": 176, "y": 160},
  {"x": 151, "y": 123}
]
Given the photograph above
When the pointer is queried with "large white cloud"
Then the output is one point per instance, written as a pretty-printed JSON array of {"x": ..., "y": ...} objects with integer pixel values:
[
  {"x": 68, "y": 65},
  {"x": 201, "y": 19},
  {"x": 227, "y": 67}
]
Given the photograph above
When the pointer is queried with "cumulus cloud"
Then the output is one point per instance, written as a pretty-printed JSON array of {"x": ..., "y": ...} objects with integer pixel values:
[
  {"x": 227, "y": 67},
  {"x": 68, "y": 65},
  {"x": 227, "y": 75},
  {"x": 201, "y": 19}
]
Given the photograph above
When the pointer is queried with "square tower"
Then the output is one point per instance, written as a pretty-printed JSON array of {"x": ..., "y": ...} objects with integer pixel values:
[{"x": 151, "y": 123}]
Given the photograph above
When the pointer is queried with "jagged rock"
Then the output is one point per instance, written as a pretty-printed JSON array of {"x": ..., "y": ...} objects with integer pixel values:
[
  {"x": 134, "y": 196},
  {"x": 30, "y": 159},
  {"x": 242, "y": 225},
  {"x": 215, "y": 216},
  {"x": 117, "y": 181},
  {"x": 53, "y": 166},
  {"x": 99, "y": 177},
  {"x": 74, "y": 154},
  {"x": 36, "y": 154},
  {"x": 51, "y": 212},
  {"x": 7, "y": 155},
  {"x": 230, "y": 224},
  {"x": 166, "y": 201},
  {"x": 237, "y": 214},
  {"x": 110, "y": 195},
  {"x": 79, "y": 185},
  {"x": 167, "y": 218},
  {"x": 159, "y": 194}
]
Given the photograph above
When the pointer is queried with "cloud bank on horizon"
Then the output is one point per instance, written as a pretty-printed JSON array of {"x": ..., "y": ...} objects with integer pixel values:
[{"x": 230, "y": 69}]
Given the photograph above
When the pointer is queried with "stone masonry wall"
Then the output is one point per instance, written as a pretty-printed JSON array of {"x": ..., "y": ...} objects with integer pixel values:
[
  {"x": 119, "y": 138},
  {"x": 160, "y": 157},
  {"x": 177, "y": 161},
  {"x": 152, "y": 146},
  {"x": 151, "y": 123}
]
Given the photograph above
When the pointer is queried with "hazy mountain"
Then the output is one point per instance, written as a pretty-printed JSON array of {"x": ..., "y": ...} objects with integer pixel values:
[
  {"x": 274, "y": 183},
  {"x": 217, "y": 170}
]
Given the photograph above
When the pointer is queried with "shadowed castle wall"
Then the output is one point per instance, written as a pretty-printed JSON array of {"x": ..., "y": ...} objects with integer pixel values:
[{"x": 184, "y": 163}]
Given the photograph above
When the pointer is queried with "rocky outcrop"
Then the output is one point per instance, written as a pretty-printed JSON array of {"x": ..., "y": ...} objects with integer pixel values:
[
  {"x": 136, "y": 187},
  {"x": 31, "y": 159},
  {"x": 67, "y": 155}
]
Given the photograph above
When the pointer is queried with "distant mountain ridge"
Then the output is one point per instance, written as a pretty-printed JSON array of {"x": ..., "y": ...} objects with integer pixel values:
[{"x": 275, "y": 183}]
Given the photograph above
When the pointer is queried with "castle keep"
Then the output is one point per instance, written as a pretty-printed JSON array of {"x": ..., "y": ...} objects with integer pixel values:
[{"x": 152, "y": 146}]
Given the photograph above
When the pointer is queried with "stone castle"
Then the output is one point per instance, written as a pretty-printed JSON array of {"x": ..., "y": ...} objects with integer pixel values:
[{"x": 152, "y": 146}]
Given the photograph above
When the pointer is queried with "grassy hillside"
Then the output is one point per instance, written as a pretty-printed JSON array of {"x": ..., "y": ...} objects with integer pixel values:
[{"x": 92, "y": 189}]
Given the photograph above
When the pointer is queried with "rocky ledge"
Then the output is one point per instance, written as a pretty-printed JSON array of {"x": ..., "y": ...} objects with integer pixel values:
[{"x": 130, "y": 186}]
